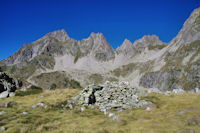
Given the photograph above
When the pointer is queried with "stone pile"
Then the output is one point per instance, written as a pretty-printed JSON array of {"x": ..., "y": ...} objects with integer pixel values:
[
  {"x": 8, "y": 85},
  {"x": 111, "y": 95}
]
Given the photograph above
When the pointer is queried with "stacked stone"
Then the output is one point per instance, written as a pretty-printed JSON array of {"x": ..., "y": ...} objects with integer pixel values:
[{"x": 111, "y": 95}]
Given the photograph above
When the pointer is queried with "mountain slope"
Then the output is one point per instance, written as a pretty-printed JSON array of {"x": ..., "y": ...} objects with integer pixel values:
[{"x": 181, "y": 67}]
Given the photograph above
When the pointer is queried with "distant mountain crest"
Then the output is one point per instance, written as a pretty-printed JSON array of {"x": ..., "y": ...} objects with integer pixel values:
[
  {"x": 147, "y": 41},
  {"x": 126, "y": 48},
  {"x": 148, "y": 62}
]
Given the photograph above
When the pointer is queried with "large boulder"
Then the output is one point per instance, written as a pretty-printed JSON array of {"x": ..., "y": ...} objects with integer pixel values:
[{"x": 8, "y": 85}]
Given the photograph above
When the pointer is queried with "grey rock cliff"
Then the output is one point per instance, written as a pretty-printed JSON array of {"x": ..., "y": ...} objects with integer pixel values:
[
  {"x": 126, "y": 49},
  {"x": 50, "y": 44},
  {"x": 182, "y": 56},
  {"x": 147, "y": 41},
  {"x": 97, "y": 46},
  {"x": 8, "y": 85}
]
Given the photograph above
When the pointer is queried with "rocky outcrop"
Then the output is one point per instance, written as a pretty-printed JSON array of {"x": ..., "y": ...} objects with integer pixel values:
[
  {"x": 8, "y": 85},
  {"x": 111, "y": 95},
  {"x": 50, "y": 43},
  {"x": 189, "y": 33},
  {"x": 127, "y": 49},
  {"x": 162, "y": 80},
  {"x": 181, "y": 67},
  {"x": 147, "y": 41},
  {"x": 97, "y": 46}
]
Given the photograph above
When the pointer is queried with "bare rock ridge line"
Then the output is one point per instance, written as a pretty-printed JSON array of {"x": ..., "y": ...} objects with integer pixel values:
[
  {"x": 95, "y": 45},
  {"x": 147, "y": 63}
]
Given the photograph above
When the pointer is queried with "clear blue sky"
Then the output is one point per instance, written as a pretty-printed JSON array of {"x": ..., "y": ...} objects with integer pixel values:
[{"x": 24, "y": 21}]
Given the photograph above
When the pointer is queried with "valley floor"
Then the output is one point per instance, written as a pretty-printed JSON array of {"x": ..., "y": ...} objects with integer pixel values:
[{"x": 174, "y": 114}]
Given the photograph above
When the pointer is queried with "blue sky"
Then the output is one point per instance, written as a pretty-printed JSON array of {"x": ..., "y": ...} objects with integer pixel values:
[{"x": 24, "y": 21}]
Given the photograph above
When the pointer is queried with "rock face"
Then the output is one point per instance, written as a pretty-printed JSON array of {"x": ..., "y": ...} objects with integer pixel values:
[
  {"x": 127, "y": 49},
  {"x": 181, "y": 69},
  {"x": 97, "y": 46},
  {"x": 8, "y": 85},
  {"x": 111, "y": 95},
  {"x": 47, "y": 44},
  {"x": 147, "y": 63},
  {"x": 147, "y": 42}
]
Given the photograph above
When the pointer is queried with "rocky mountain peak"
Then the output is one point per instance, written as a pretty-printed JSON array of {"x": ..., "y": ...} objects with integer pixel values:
[
  {"x": 98, "y": 46},
  {"x": 194, "y": 17},
  {"x": 126, "y": 48},
  {"x": 189, "y": 32},
  {"x": 96, "y": 35},
  {"x": 147, "y": 41},
  {"x": 126, "y": 43},
  {"x": 60, "y": 35},
  {"x": 47, "y": 44},
  {"x": 149, "y": 38}
]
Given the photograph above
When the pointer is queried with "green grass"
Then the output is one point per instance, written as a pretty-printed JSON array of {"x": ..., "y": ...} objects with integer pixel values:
[
  {"x": 30, "y": 91},
  {"x": 159, "y": 47},
  {"x": 56, "y": 119},
  {"x": 57, "y": 79},
  {"x": 78, "y": 55}
]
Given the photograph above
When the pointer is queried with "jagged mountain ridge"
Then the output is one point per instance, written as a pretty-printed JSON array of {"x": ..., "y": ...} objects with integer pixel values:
[
  {"x": 180, "y": 67},
  {"x": 148, "y": 62}
]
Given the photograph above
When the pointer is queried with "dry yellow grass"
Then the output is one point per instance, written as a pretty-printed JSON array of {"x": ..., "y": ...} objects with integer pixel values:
[{"x": 55, "y": 119}]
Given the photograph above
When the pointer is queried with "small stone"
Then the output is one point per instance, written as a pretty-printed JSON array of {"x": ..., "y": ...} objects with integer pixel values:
[
  {"x": 104, "y": 111},
  {"x": 3, "y": 128},
  {"x": 25, "y": 113},
  {"x": 11, "y": 94},
  {"x": 38, "y": 105},
  {"x": 70, "y": 106},
  {"x": 111, "y": 114},
  {"x": 82, "y": 108},
  {"x": 115, "y": 118},
  {"x": 178, "y": 91},
  {"x": 181, "y": 112},
  {"x": 149, "y": 107},
  {"x": 4, "y": 94},
  {"x": 197, "y": 90},
  {"x": 2, "y": 112},
  {"x": 168, "y": 93}
]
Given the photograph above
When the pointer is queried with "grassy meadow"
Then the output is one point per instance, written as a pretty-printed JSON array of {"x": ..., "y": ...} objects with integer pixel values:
[{"x": 54, "y": 118}]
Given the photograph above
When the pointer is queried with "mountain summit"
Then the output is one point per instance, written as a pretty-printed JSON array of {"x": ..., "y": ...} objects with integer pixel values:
[{"x": 126, "y": 48}]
